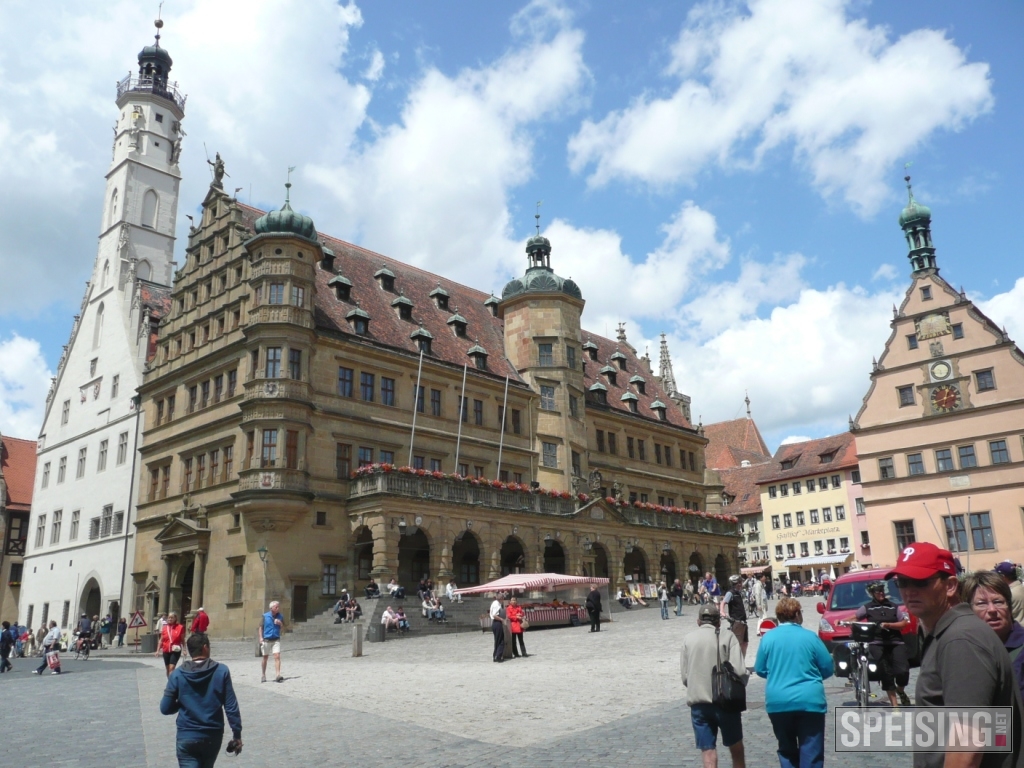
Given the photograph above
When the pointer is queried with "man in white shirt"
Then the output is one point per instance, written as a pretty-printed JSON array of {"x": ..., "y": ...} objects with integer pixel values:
[
  {"x": 449, "y": 592},
  {"x": 498, "y": 628},
  {"x": 388, "y": 619}
]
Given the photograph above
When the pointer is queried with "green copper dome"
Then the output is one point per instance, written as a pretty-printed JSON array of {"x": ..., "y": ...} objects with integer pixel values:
[
  {"x": 541, "y": 280},
  {"x": 286, "y": 221},
  {"x": 915, "y": 212}
]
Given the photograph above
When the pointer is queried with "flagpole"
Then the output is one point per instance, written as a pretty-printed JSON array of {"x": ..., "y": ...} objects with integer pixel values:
[
  {"x": 415, "y": 408},
  {"x": 462, "y": 406},
  {"x": 501, "y": 439}
]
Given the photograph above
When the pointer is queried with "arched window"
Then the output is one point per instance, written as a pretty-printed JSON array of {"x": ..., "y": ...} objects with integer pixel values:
[
  {"x": 150, "y": 203},
  {"x": 143, "y": 270},
  {"x": 97, "y": 333},
  {"x": 106, "y": 275},
  {"x": 113, "y": 208}
]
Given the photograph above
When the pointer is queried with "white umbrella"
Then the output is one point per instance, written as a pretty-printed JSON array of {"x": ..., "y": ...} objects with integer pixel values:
[{"x": 832, "y": 573}]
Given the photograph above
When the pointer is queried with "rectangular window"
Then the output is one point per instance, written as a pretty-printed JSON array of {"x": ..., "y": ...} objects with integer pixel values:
[
  {"x": 200, "y": 470},
  {"x": 790, "y": 550},
  {"x": 366, "y": 381},
  {"x": 999, "y": 453},
  {"x": 329, "y": 579},
  {"x": 775, "y": 521},
  {"x": 804, "y": 549},
  {"x": 463, "y": 470},
  {"x": 600, "y": 441},
  {"x": 295, "y": 364},
  {"x": 115, "y": 385},
  {"x": 65, "y": 411},
  {"x": 478, "y": 471},
  {"x": 268, "y": 449},
  {"x": 855, "y": 476},
  {"x": 94, "y": 528},
  {"x": 985, "y": 380},
  {"x": 657, "y": 453},
  {"x": 810, "y": 485},
  {"x": 641, "y": 450},
  {"x": 218, "y": 388},
  {"x": 291, "y": 449},
  {"x": 236, "y": 583},
  {"x": 435, "y": 403},
  {"x": 106, "y": 521},
  {"x": 778, "y": 551},
  {"x": 944, "y": 460},
  {"x": 55, "y": 527},
  {"x": 613, "y": 447},
  {"x": 550, "y": 455},
  {"x": 841, "y": 512},
  {"x": 517, "y": 477},
  {"x": 837, "y": 481},
  {"x": 65, "y": 612},
  {"x": 915, "y": 464},
  {"x": 799, "y": 518},
  {"x": 830, "y": 545},
  {"x": 574, "y": 406},
  {"x": 464, "y": 409},
  {"x": 298, "y": 296},
  {"x": 643, "y": 498},
  {"x": 122, "y": 448},
  {"x": 886, "y": 471},
  {"x": 187, "y": 469},
  {"x": 861, "y": 510},
  {"x": 773, "y": 492},
  {"x": 904, "y": 533},
  {"x": 818, "y": 549},
  {"x": 420, "y": 397},
  {"x": 865, "y": 540},
  {"x": 576, "y": 468},
  {"x": 981, "y": 531},
  {"x": 345, "y": 378},
  {"x": 906, "y": 396},
  {"x": 46, "y": 475},
  {"x": 165, "y": 480},
  {"x": 517, "y": 425},
  {"x": 276, "y": 293},
  {"x": 101, "y": 464},
  {"x": 668, "y": 456},
  {"x": 273, "y": 362},
  {"x": 547, "y": 398},
  {"x": 80, "y": 471},
  {"x": 250, "y": 447},
  {"x": 193, "y": 398},
  {"x": 814, "y": 517},
  {"x": 478, "y": 412},
  {"x": 546, "y": 358},
  {"x": 118, "y": 522},
  {"x": 967, "y": 457},
  {"x": 570, "y": 356},
  {"x": 62, "y": 467},
  {"x": 342, "y": 461},
  {"x": 784, "y": 489},
  {"x": 365, "y": 456},
  {"x": 387, "y": 390},
  {"x": 229, "y": 461},
  {"x": 232, "y": 382},
  {"x": 926, "y": 293},
  {"x": 796, "y": 487},
  {"x": 75, "y": 517},
  {"x": 435, "y": 466},
  {"x": 958, "y": 330},
  {"x": 826, "y": 514},
  {"x": 388, "y": 457},
  {"x": 956, "y": 533},
  {"x": 912, "y": 341},
  {"x": 787, "y": 520},
  {"x": 204, "y": 399},
  {"x": 214, "y": 466}
]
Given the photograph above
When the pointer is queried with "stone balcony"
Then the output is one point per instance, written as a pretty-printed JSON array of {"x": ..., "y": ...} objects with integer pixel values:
[
  {"x": 287, "y": 389},
  {"x": 273, "y": 479},
  {"x": 281, "y": 313}
]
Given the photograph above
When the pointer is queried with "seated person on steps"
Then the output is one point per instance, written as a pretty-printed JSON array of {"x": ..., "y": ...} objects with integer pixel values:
[{"x": 372, "y": 590}]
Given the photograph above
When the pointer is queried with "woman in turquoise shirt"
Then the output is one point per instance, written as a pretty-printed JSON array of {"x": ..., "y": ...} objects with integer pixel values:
[{"x": 795, "y": 663}]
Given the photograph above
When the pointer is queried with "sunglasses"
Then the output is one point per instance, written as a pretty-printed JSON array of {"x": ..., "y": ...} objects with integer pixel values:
[{"x": 903, "y": 582}]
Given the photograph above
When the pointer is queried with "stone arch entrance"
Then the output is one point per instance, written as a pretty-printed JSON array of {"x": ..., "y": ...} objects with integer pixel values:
[
  {"x": 466, "y": 559},
  {"x": 695, "y": 570},
  {"x": 413, "y": 559},
  {"x": 362, "y": 554},
  {"x": 185, "y": 587},
  {"x": 600, "y": 562},
  {"x": 554, "y": 557},
  {"x": 668, "y": 566},
  {"x": 722, "y": 570},
  {"x": 513, "y": 556},
  {"x": 634, "y": 564},
  {"x": 89, "y": 601}
]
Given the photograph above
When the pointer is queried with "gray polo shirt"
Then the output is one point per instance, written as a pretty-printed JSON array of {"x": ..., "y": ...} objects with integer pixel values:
[{"x": 965, "y": 664}]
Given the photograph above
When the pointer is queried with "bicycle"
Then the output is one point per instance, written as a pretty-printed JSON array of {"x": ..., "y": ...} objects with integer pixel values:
[
  {"x": 81, "y": 644},
  {"x": 859, "y": 666}
]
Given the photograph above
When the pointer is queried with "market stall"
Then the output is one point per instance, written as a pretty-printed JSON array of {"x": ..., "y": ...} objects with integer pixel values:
[{"x": 531, "y": 589}]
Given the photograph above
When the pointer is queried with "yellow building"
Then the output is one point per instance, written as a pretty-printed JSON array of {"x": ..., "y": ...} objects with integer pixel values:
[
  {"x": 318, "y": 414},
  {"x": 809, "y": 495}
]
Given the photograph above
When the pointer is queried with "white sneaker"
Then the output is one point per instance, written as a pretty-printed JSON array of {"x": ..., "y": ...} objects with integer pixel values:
[{"x": 55, "y": 672}]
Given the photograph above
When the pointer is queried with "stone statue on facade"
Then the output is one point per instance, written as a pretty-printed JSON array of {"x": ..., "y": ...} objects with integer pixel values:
[
  {"x": 616, "y": 490},
  {"x": 594, "y": 481},
  {"x": 218, "y": 172}
]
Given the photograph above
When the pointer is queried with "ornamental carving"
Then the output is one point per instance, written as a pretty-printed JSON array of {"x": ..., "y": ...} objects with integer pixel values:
[{"x": 930, "y": 326}]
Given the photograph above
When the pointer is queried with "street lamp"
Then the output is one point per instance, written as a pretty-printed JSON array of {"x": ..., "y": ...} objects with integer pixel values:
[{"x": 262, "y": 552}]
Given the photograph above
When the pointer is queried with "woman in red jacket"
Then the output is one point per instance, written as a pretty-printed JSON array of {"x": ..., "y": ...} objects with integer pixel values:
[
  {"x": 172, "y": 639},
  {"x": 515, "y": 614}
]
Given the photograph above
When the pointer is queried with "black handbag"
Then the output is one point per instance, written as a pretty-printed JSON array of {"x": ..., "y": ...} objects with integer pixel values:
[{"x": 728, "y": 690}]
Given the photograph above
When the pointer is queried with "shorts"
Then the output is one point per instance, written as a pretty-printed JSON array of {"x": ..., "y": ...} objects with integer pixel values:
[
  {"x": 893, "y": 667},
  {"x": 271, "y": 646},
  {"x": 739, "y": 628},
  {"x": 707, "y": 719},
  {"x": 171, "y": 658}
]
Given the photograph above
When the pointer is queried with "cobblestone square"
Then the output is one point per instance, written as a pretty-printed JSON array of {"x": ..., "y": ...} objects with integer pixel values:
[{"x": 614, "y": 698}]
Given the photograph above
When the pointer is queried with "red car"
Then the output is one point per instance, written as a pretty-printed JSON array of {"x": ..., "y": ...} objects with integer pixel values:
[{"x": 850, "y": 592}]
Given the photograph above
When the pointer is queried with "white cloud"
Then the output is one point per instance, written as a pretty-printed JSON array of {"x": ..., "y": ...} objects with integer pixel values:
[
  {"x": 24, "y": 382},
  {"x": 787, "y": 72},
  {"x": 375, "y": 68},
  {"x": 885, "y": 272},
  {"x": 794, "y": 439},
  {"x": 1007, "y": 309}
]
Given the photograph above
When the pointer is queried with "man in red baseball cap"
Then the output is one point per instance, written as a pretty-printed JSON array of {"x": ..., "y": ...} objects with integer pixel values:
[{"x": 963, "y": 663}]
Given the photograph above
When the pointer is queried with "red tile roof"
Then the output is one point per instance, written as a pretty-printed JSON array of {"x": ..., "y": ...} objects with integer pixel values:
[
  {"x": 18, "y": 461},
  {"x": 741, "y": 485},
  {"x": 807, "y": 457},
  {"x": 732, "y": 442},
  {"x": 156, "y": 301}
]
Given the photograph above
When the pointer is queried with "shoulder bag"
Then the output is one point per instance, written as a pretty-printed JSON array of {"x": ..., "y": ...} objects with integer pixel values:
[{"x": 727, "y": 688}]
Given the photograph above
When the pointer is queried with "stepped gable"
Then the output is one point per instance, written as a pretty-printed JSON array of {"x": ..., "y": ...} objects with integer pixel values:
[
  {"x": 807, "y": 457},
  {"x": 156, "y": 303},
  {"x": 653, "y": 391},
  {"x": 730, "y": 443},
  {"x": 741, "y": 487},
  {"x": 18, "y": 462}
]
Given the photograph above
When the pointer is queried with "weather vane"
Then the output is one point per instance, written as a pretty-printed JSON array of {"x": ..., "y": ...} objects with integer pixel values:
[
  {"x": 288, "y": 184},
  {"x": 159, "y": 22},
  {"x": 537, "y": 215}
]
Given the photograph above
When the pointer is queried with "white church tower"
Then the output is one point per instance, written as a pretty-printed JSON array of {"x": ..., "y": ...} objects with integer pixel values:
[{"x": 80, "y": 543}]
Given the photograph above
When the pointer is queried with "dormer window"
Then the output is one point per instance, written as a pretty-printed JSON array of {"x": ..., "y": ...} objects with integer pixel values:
[
  {"x": 827, "y": 457},
  {"x": 404, "y": 306},
  {"x": 640, "y": 384},
  {"x": 458, "y": 324},
  {"x": 423, "y": 339},
  {"x": 491, "y": 302},
  {"x": 659, "y": 408},
  {"x": 386, "y": 278},
  {"x": 342, "y": 287},
  {"x": 789, "y": 463},
  {"x": 440, "y": 297},
  {"x": 591, "y": 349},
  {"x": 632, "y": 401},
  {"x": 360, "y": 321},
  {"x": 609, "y": 373},
  {"x": 479, "y": 356},
  {"x": 598, "y": 393},
  {"x": 620, "y": 360}
]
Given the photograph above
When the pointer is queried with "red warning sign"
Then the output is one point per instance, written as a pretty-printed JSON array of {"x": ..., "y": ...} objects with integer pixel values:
[{"x": 136, "y": 621}]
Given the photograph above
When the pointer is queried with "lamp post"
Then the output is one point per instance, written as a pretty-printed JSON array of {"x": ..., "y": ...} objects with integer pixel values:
[{"x": 262, "y": 552}]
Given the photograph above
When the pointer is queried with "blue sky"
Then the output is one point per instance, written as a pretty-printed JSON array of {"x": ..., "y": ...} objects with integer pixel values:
[{"x": 727, "y": 173}]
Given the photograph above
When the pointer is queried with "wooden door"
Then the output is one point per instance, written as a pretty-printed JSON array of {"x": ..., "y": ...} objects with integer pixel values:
[{"x": 300, "y": 597}]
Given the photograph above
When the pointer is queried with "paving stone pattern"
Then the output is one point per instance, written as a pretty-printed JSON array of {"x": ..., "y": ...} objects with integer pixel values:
[{"x": 613, "y": 699}]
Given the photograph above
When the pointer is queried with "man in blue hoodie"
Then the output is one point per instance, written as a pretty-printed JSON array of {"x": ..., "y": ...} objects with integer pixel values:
[{"x": 200, "y": 692}]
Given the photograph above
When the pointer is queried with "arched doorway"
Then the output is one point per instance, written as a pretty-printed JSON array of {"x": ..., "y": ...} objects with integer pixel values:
[
  {"x": 466, "y": 559},
  {"x": 89, "y": 603},
  {"x": 600, "y": 562},
  {"x": 668, "y": 566},
  {"x": 186, "y": 592},
  {"x": 554, "y": 557},
  {"x": 513, "y": 556},
  {"x": 695, "y": 570},
  {"x": 634, "y": 564},
  {"x": 413, "y": 559},
  {"x": 722, "y": 570},
  {"x": 362, "y": 554}
]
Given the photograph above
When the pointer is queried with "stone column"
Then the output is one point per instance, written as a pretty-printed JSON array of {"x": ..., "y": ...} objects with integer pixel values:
[
  {"x": 165, "y": 585},
  {"x": 198, "y": 572},
  {"x": 385, "y": 551}
]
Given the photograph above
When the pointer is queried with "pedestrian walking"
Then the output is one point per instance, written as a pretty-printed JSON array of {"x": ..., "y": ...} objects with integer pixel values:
[
  {"x": 594, "y": 608},
  {"x": 40, "y": 636},
  {"x": 733, "y": 607},
  {"x": 663, "y": 599},
  {"x": 122, "y": 627},
  {"x": 677, "y": 593},
  {"x": 106, "y": 624},
  {"x": 516, "y": 618},
  {"x": 51, "y": 650},
  {"x": 200, "y": 693},
  {"x": 172, "y": 640},
  {"x": 701, "y": 653},
  {"x": 497, "y": 614},
  {"x": 270, "y": 640},
  {"x": 201, "y": 621},
  {"x": 6, "y": 647},
  {"x": 795, "y": 663},
  {"x": 964, "y": 664},
  {"x": 16, "y": 633}
]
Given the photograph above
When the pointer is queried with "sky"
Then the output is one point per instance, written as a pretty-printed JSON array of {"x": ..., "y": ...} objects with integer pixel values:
[{"x": 727, "y": 173}]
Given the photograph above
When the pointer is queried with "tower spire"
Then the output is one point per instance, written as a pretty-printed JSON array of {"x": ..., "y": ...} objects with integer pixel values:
[
  {"x": 916, "y": 223},
  {"x": 746, "y": 399},
  {"x": 668, "y": 378}
]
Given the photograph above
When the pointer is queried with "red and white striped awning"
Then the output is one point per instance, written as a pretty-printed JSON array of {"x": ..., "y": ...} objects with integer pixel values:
[{"x": 531, "y": 581}]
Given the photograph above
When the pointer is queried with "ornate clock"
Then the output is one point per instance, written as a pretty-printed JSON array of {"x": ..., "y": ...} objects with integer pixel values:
[{"x": 946, "y": 398}]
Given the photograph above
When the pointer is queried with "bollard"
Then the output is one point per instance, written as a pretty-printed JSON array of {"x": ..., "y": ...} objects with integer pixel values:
[{"x": 357, "y": 639}]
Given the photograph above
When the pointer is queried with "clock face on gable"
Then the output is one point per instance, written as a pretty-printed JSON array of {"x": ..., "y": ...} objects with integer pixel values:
[{"x": 946, "y": 398}]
